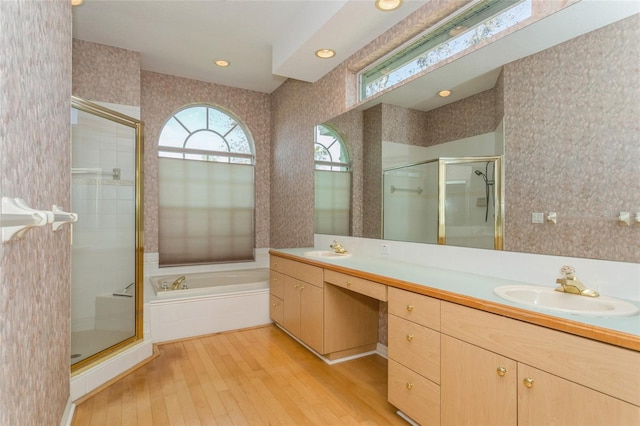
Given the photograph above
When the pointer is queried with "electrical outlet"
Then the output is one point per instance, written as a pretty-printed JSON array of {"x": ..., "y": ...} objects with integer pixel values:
[
  {"x": 537, "y": 217},
  {"x": 385, "y": 248}
]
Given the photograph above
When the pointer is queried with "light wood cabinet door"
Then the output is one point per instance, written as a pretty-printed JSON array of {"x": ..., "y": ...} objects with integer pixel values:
[
  {"x": 546, "y": 399},
  {"x": 478, "y": 387},
  {"x": 414, "y": 395},
  {"x": 291, "y": 311},
  {"x": 415, "y": 346},
  {"x": 276, "y": 309},
  {"x": 311, "y": 316}
]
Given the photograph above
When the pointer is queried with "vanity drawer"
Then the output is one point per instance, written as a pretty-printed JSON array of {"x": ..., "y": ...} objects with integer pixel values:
[
  {"x": 415, "y": 346},
  {"x": 302, "y": 271},
  {"x": 276, "y": 309},
  {"x": 276, "y": 284},
  {"x": 359, "y": 285},
  {"x": 417, "y": 397},
  {"x": 420, "y": 309}
]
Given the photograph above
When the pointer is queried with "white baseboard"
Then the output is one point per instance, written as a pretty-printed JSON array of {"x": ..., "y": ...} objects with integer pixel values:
[{"x": 67, "y": 416}]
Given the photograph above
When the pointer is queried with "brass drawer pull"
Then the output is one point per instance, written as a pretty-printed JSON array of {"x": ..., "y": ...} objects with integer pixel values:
[
  {"x": 409, "y": 308},
  {"x": 528, "y": 382},
  {"x": 348, "y": 283},
  {"x": 409, "y": 385},
  {"x": 501, "y": 371},
  {"x": 409, "y": 337}
]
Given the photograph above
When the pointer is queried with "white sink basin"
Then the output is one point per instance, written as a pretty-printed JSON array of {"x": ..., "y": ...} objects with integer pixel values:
[
  {"x": 327, "y": 254},
  {"x": 548, "y": 298}
]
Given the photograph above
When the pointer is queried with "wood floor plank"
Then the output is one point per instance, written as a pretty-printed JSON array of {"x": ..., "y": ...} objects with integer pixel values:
[{"x": 258, "y": 376}]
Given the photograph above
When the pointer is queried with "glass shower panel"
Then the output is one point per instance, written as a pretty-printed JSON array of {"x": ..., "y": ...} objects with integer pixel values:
[
  {"x": 410, "y": 203},
  {"x": 469, "y": 194},
  {"x": 103, "y": 289}
]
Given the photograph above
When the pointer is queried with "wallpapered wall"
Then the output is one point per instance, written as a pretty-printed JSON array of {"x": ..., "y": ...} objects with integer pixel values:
[
  {"x": 35, "y": 82},
  {"x": 105, "y": 73},
  {"x": 572, "y": 145}
]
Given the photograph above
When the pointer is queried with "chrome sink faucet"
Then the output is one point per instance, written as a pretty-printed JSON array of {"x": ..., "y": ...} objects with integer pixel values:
[
  {"x": 569, "y": 283},
  {"x": 337, "y": 247}
]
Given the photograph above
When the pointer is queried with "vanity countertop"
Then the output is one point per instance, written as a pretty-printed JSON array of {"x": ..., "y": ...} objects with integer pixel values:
[{"x": 475, "y": 291}]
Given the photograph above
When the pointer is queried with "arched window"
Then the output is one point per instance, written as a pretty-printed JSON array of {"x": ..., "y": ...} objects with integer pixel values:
[
  {"x": 206, "y": 188},
  {"x": 332, "y": 183}
]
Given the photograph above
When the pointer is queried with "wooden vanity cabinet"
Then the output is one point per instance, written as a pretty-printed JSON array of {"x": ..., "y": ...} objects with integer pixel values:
[
  {"x": 414, "y": 355},
  {"x": 501, "y": 371},
  {"x": 301, "y": 288},
  {"x": 276, "y": 297},
  {"x": 333, "y": 321}
]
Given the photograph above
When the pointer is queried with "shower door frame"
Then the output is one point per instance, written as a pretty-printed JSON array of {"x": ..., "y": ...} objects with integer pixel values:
[
  {"x": 498, "y": 194},
  {"x": 138, "y": 126}
]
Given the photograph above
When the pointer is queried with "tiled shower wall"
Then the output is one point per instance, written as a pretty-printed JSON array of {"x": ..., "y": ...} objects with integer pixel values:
[
  {"x": 35, "y": 152},
  {"x": 105, "y": 231}
]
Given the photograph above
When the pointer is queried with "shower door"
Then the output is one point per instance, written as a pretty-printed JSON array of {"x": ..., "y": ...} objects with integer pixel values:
[
  {"x": 470, "y": 202},
  {"x": 106, "y": 251}
]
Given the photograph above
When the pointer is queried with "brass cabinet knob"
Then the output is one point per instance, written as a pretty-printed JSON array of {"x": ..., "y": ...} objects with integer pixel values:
[
  {"x": 409, "y": 385},
  {"x": 296, "y": 286},
  {"x": 409, "y": 308},
  {"x": 348, "y": 283},
  {"x": 409, "y": 337},
  {"x": 275, "y": 278},
  {"x": 501, "y": 371},
  {"x": 528, "y": 382},
  {"x": 301, "y": 287},
  {"x": 274, "y": 305}
]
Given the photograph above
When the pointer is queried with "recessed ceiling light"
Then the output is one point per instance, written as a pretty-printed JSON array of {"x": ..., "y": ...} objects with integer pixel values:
[
  {"x": 76, "y": 2},
  {"x": 444, "y": 93},
  {"x": 388, "y": 5},
  {"x": 221, "y": 63},
  {"x": 325, "y": 53}
]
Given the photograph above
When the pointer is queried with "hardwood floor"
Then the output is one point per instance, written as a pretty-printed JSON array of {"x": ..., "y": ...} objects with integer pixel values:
[{"x": 258, "y": 376}]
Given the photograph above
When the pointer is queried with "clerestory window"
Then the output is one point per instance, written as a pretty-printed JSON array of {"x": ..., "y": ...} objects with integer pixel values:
[{"x": 206, "y": 188}]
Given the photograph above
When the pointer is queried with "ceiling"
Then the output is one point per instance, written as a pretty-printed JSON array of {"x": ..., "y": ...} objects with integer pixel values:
[{"x": 265, "y": 41}]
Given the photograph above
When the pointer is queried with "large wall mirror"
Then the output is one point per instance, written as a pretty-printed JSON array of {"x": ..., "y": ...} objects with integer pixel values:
[{"x": 558, "y": 100}]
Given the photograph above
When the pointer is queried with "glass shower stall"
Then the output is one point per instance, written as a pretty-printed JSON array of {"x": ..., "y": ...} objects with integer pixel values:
[
  {"x": 453, "y": 201},
  {"x": 106, "y": 251}
]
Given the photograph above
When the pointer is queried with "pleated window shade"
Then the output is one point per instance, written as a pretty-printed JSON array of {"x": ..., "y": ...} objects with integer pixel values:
[
  {"x": 206, "y": 212},
  {"x": 332, "y": 202},
  {"x": 206, "y": 189}
]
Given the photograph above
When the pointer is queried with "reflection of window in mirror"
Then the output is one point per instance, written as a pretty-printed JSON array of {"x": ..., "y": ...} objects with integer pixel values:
[{"x": 332, "y": 183}]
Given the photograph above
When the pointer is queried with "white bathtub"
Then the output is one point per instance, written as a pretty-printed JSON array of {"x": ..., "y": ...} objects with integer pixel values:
[
  {"x": 223, "y": 282},
  {"x": 212, "y": 303}
]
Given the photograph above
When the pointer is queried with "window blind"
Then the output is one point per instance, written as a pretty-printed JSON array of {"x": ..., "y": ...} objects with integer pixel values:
[
  {"x": 205, "y": 212},
  {"x": 332, "y": 202}
]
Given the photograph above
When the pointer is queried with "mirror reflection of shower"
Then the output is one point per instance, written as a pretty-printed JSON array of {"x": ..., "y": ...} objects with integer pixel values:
[
  {"x": 488, "y": 182},
  {"x": 438, "y": 201}
]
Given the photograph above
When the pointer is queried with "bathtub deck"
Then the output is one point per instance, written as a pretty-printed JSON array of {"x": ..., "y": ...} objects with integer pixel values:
[{"x": 257, "y": 376}]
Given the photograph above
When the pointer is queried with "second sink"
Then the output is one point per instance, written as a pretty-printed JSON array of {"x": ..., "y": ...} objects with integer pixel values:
[{"x": 548, "y": 298}]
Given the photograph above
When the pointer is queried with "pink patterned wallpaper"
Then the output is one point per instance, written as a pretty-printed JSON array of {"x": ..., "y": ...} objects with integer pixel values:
[
  {"x": 573, "y": 145},
  {"x": 35, "y": 149},
  {"x": 105, "y": 73}
]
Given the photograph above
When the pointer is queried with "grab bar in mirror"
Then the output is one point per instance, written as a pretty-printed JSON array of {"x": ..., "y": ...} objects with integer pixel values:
[{"x": 97, "y": 171}]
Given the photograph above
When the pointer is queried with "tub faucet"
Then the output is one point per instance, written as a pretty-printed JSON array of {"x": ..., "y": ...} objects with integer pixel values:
[
  {"x": 569, "y": 283},
  {"x": 337, "y": 247},
  {"x": 176, "y": 283}
]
